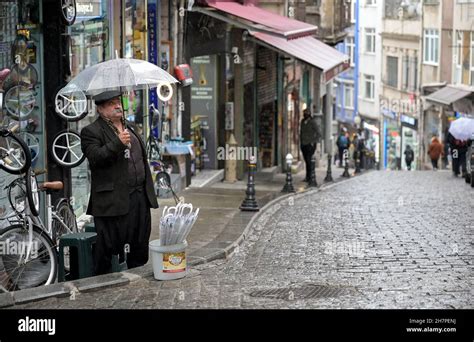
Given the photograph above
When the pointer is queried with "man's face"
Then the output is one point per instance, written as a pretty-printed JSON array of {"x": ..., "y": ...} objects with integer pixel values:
[
  {"x": 112, "y": 109},
  {"x": 306, "y": 114}
]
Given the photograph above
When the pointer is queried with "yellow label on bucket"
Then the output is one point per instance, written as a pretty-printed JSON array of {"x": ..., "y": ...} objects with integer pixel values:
[{"x": 174, "y": 262}]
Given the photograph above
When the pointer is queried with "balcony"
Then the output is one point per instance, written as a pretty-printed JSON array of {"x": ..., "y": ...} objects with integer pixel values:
[{"x": 332, "y": 18}]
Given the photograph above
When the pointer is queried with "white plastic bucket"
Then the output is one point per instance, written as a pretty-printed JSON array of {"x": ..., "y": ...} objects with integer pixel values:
[{"x": 169, "y": 262}]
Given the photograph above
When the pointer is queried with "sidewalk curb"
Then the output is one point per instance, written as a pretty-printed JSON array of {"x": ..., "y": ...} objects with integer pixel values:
[{"x": 126, "y": 277}]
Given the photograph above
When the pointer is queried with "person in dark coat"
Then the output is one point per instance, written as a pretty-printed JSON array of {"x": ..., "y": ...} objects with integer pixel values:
[
  {"x": 435, "y": 151},
  {"x": 122, "y": 191},
  {"x": 409, "y": 156},
  {"x": 309, "y": 136},
  {"x": 458, "y": 153}
]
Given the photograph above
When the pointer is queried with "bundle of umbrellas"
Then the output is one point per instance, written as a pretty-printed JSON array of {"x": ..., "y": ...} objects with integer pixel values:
[{"x": 176, "y": 223}]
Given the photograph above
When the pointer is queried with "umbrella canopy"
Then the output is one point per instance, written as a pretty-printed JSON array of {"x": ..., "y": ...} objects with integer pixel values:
[
  {"x": 462, "y": 128},
  {"x": 118, "y": 74}
]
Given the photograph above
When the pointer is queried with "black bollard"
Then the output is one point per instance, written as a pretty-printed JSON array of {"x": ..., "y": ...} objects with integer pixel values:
[
  {"x": 329, "y": 173},
  {"x": 249, "y": 203},
  {"x": 346, "y": 164},
  {"x": 312, "y": 181},
  {"x": 357, "y": 162},
  {"x": 288, "y": 187}
]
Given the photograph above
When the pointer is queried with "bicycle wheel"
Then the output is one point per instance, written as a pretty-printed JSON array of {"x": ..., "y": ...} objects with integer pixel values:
[
  {"x": 32, "y": 193},
  {"x": 20, "y": 102},
  {"x": 15, "y": 156},
  {"x": 26, "y": 261},
  {"x": 71, "y": 106},
  {"x": 67, "y": 223},
  {"x": 67, "y": 150},
  {"x": 68, "y": 11}
]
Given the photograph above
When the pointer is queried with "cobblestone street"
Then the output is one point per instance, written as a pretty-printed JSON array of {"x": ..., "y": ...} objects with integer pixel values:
[{"x": 401, "y": 240}]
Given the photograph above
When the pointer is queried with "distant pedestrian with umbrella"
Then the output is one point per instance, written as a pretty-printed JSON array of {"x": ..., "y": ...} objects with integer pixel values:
[
  {"x": 435, "y": 151},
  {"x": 458, "y": 154},
  {"x": 460, "y": 131}
]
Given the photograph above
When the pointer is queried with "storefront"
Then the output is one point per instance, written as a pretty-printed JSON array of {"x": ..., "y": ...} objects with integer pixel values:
[
  {"x": 21, "y": 82},
  {"x": 391, "y": 140},
  {"x": 409, "y": 136}
]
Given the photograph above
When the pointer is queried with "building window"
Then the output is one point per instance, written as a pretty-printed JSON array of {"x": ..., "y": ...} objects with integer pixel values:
[
  {"x": 371, "y": 2},
  {"x": 370, "y": 40},
  {"x": 413, "y": 86},
  {"x": 406, "y": 72},
  {"x": 431, "y": 53},
  {"x": 369, "y": 81},
  {"x": 353, "y": 11},
  {"x": 392, "y": 71},
  {"x": 350, "y": 46},
  {"x": 349, "y": 96}
]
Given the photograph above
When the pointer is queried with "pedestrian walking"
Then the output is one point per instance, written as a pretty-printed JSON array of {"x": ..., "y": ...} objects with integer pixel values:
[
  {"x": 309, "y": 136},
  {"x": 409, "y": 156},
  {"x": 435, "y": 150},
  {"x": 342, "y": 143},
  {"x": 122, "y": 191},
  {"x": 458, "y": 154}
]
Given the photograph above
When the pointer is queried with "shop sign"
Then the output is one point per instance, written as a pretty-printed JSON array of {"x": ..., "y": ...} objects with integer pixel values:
[
  {"x": 389, "y": 113},
  {"x": 88, "y": 9},
  {"x": 408, "y": 120},
  {"x": 152, "y": 46}
]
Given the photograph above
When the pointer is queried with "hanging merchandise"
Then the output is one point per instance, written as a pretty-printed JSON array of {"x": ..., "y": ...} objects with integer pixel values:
[{"x": 184, "y": 74}]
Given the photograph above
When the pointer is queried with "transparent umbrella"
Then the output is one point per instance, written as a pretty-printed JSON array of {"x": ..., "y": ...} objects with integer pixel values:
[
  {"x": 121, "y": 74},
  {"x": 462, "y": 128}
]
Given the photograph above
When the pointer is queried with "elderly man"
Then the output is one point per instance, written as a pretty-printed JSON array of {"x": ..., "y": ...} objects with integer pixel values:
[
  {"x": 309, "y": 136},
  {"x": 122, "y": 190}
]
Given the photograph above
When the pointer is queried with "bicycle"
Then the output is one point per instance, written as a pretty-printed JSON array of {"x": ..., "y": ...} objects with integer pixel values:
[
  {"x": 29, "y": 247},
  {"x": 161, "y": 169}
]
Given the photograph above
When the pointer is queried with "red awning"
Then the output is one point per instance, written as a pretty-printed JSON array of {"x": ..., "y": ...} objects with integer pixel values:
[
  {"x": 286, "y": 27},
  {"x": 310, "y": 50}
]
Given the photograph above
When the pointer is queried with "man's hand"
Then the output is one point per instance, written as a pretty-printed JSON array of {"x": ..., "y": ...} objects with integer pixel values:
[{"x": 125, "y": 137}]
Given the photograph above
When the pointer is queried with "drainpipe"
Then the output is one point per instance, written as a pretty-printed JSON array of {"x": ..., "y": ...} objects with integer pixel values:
[
  {"x": 421, "y": 122},
  {"x": 179, "y": 60}
]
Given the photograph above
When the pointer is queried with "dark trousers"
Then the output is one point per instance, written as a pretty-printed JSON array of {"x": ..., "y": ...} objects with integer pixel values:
[
  {"x": 114, "y": 233},
  {"x": 459, "y": 162},
  {"x": 434, "y": 162},
  {"x": 308, "y": 151},
  {"x": 341, "y": 155},
  {"x": 408, "y": 164}
]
